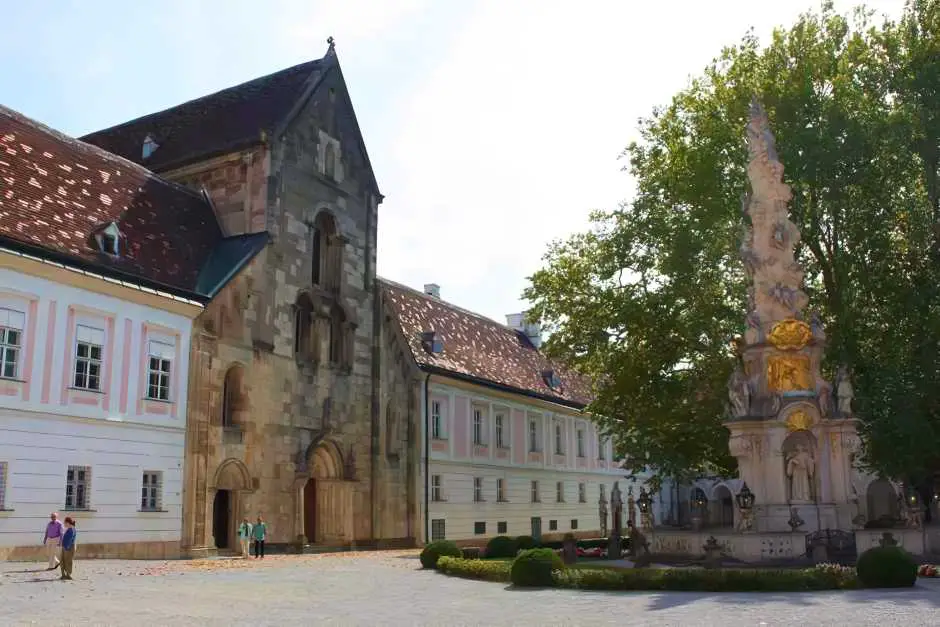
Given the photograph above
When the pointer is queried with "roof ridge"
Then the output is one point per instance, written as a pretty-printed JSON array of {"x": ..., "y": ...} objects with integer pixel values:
[
  {"x": 448, "y": 304},
  {"x": 203, "y": 97},
  {"x": 91, "y": 148}
]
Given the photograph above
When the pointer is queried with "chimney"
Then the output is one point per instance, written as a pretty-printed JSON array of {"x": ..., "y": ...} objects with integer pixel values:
[
  {"x": 432, "y": 289},
  {"x": 532, "y": 330}
]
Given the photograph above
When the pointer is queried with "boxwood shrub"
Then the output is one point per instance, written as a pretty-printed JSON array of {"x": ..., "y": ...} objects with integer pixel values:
[
  {"x": 501, "y": 546},
  {"x": 887, "y": 567},
  {"x": 435, "y": 550},
  {"x": 475, "y": 569},
  {"x": 524, "y": 543},
  {"x": 533, "y": 568}
]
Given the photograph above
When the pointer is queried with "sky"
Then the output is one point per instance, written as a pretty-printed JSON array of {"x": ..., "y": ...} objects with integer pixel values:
[{"x": 494, "y": 126}]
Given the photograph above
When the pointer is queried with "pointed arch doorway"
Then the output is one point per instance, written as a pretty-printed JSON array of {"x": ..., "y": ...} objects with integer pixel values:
[
  {"x": 231, "y": 482},
  {"x": 327, "y": 498}
]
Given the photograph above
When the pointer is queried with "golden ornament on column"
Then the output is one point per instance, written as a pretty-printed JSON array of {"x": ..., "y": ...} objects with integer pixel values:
[
  {"x": 790, "y": 335},
  {"x": 799, "y": 420}
]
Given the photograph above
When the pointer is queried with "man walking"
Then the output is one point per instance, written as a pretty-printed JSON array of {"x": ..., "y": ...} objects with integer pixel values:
[
  {"x": 52, "y": 539},
  {"x": 260, "y": 532},
  {"x": 244, "y": 537}
]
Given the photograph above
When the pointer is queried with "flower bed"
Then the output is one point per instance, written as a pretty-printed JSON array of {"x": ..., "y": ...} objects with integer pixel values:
[
  {"x": 823, "y": 577},
  {"x": 928, "y": 570}
]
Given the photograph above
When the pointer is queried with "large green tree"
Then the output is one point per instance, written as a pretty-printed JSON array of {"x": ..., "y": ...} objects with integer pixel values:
[{"x": 648, "y": 301}]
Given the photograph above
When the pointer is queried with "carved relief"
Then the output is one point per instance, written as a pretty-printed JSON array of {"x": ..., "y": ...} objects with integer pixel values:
[
  {"x": 790, "y": 334},
  {"x": 789, "y": 373}
]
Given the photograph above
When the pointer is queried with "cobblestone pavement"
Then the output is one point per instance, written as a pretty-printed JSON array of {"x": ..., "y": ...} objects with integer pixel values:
[{"x": 389, "y": 589}]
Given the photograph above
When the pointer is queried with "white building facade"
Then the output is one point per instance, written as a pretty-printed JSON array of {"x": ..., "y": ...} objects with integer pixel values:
[
  {"x": 504, "y": 464},
  {"x": 92, "y": 411}
]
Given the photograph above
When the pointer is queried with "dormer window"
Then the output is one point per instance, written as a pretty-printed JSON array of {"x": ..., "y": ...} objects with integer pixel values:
[
  {"x": 110, "y": 240},
  {"x": 150, "y": 146},
  {"x": 432, "y": 342},
  {"x": 550, "y": 377}
]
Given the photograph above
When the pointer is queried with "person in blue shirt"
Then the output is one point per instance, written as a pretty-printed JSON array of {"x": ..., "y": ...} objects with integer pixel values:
[
  {"x": 68, "y": 547},
  {"x": 260, "y": 532}
]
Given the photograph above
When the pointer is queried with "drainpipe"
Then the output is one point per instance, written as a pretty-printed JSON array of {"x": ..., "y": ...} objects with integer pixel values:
[{"x": 427, "y": 459}]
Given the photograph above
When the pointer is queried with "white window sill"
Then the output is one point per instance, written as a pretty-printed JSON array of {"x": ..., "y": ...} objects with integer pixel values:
[
  {"x": 153, "y": 511},
  {"x": 89, "y": 390}
]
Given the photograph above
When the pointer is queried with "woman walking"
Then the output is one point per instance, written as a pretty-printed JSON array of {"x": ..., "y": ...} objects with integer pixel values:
[
  {"x": 259, "y": 531},
  {"x": 68, "y": 548},
  {"x": 244, "y": 537}
]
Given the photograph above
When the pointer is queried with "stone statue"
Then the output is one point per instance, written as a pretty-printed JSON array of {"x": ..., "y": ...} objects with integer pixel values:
[
  {"x": 616, "y": 504},
  {"x": 739, "y": 393},
  {"x": 844, "y": 391},
  {"x": 816, "y": 326},
  {"x": 602, "y": 514},
  {"x": 824, "y": 397},
  {"x": 800, "y": 470}
]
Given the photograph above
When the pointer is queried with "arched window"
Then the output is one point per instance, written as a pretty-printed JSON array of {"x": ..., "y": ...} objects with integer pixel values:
[
  {"x": 329, "y": 160},
  {"x": 326, "y": 253},
  {"x": 304, "y": 342},
  {"x": 231, "y": 395}
]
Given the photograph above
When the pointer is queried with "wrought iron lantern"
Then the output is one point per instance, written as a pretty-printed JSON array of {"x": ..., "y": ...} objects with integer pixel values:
[
  {"x": 745, "y": 498},
  {"x": 699, "y": 499},
  {"x": 644, "y": 502}
]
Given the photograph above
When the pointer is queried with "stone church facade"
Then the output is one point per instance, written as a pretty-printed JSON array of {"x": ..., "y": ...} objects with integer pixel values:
[{"x": 302, "y": 400}]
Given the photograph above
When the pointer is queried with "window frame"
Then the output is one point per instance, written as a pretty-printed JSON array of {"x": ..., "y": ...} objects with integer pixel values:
[
  {"x": 8, "y": 347},
  {"x": 559, "y": 491},
  {"x": 437, "y": 483},
  {"x": 534, "y": 491},
  {"x": 72, "y": 484},
  {"x": 559, "y": 438},
  {"x": 82, "y": 377},
  {"x": 534, "y": 436},
  {"x": 158, "y": 352},
  {"x": 4, "y": 480},
  {"x": 438, "y": 525},
  {"x": 501, "y": 490},
  {"x": 479, "y": 433},
  {"x": 478, "y": 490},
  {"x": 499, "y": 430},
  {"x": 151, "y": 492},
  {"x": 582, "y": 492},
  {"x": 579, "y": 438},
  {"x": 437, "y": 421},
  {"x": 479, "y": 528}
]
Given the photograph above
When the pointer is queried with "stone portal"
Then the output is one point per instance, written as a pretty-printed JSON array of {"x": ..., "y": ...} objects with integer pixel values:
[{"x": 792, "y": 432}]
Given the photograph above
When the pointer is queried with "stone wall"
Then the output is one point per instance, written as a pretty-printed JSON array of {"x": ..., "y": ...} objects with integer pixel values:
[{"x": 300, "y": 415}]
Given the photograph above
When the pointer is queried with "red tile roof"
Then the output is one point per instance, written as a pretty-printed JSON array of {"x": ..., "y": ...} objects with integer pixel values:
[
  {"x": 224, "y": 121},
  {"x": 479, "y": 348},
  {"x": 56, "y": 191}
]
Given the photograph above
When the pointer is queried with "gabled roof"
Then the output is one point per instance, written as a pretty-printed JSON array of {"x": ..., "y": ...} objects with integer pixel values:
[
  {"x": 479, "y": 349},
  {"x": 221, "y": 122},
  {"x": 56, "y": 193}
]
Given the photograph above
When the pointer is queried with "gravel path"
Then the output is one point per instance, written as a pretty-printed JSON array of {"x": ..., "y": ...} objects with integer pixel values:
[{"x": 388, "y": 589}]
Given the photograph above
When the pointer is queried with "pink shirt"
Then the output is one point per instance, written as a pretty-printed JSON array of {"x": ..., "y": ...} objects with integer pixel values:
[{"x": 54, "y": 529}]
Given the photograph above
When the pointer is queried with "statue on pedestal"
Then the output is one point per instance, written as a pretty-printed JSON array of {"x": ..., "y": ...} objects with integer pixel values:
[
  {"x": 739, "y": 393},
  {"x": 614, "y": 545},
  {"x": 844, "y": 391},
  {"x": 602, "y": 514},
  {"x": 800, "y": 470}
]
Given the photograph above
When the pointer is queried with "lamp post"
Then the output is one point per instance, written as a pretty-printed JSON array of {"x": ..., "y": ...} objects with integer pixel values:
[
  {"x": 698, "y": 508},
  {"x": 745, "y": 499},
  {"x": 645, "y": 503},
  {"x": 916, "y": 511}
]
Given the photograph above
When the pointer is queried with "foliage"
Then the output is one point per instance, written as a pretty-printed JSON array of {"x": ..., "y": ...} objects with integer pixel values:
[
  {"x": 501, "y": 546},
  {"x": 533, "y": 568},
  {"x": 487, "y": 570},
  {"x": 647, "y": 301},
  {"x": 718, "y": 580},
  {"x": 435, "y": 550},
  {"x": 887, "y": 567},
  {"x": 526, "y": 542},
  {"x": 472, "y": 552}
]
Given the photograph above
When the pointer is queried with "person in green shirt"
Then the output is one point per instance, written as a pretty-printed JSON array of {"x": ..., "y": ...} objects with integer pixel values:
[
  {"x": 244, "y": 537},
  {"x": 260, "y": 532}
]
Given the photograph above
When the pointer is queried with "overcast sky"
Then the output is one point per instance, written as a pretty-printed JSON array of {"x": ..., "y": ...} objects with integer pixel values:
[{"x": 494, "y": 126}]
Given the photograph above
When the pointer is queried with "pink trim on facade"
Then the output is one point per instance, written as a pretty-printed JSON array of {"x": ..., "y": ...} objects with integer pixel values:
[
  {"x": 109, "y": 363},
  {"x": 69, "y": 355},
  {"x": 157, "y": 407},
  {"x": 461, "y": 426},
  {"x": 502, "y": 453},
  {"x": 126, "y": 364},
  {"x": 50, "y": 346},
  {"x": 175, "y": 391},
  {"x": 519, "y": 439},
  {"x": 440, "y": 446},
  {"x": 142, "y": 368},
  {"x": 480, "y": 450},
  {"x": 83, "y": 399},
  {"x": 535, "y": 458},
  {"x": 11, "y": 388},
  {"x": 31, "y": 321}
]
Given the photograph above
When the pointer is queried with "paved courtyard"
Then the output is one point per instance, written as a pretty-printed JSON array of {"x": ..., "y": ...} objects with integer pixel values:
[{"x": 389, "y": 589}]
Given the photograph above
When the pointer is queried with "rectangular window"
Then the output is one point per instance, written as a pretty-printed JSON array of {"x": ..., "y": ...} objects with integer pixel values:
[
  {"x": 478, "y": 427},
  {"x": 500, "y": 438},
  {"x": 77, "y": 487},
  {"x": 478, "y": 489},
  {"x": 580, "y": 442},
  {"x": 582, "y": 493},
  {"x": 533, "y": 436},
  {"x": 158, "y": 372},
  {"x": 150, "y": 491},
  {"x": 437, "y": 529},
  {"x": 501, "y": 527},
  {"x": 3, "y": 485},
  {"x": 559, "y": 449},
  {"x": 501, "y": 490},
  {"x": 479, "y": 528},
  {"x": 88, "y": 349},
  {"x": 535, "y": 491},
  {"x": 436, "y": 423},
  {"x": 574, "y": 524},
  {"x": 11, "y": 342},
  {"x": 560, "y": 491},
  {"x": 553, "y": 525},
  {"x": 436, "y": 488}
]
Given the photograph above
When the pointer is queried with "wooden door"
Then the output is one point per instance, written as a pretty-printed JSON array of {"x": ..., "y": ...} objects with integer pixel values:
[{"x": 310, "y": 510}]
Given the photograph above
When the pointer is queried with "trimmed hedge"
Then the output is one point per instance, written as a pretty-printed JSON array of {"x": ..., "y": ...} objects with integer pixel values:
[
  {"x": 435, "y": 550},
  {"x": 524, "y": 543},
  {"x": 502, "y": 546},
  {"x": 496, "y": 570},
  {"x": 887, "y": 567},
  {"x": 533, "y": 568},
  {"x": 823, "y": 577}
]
